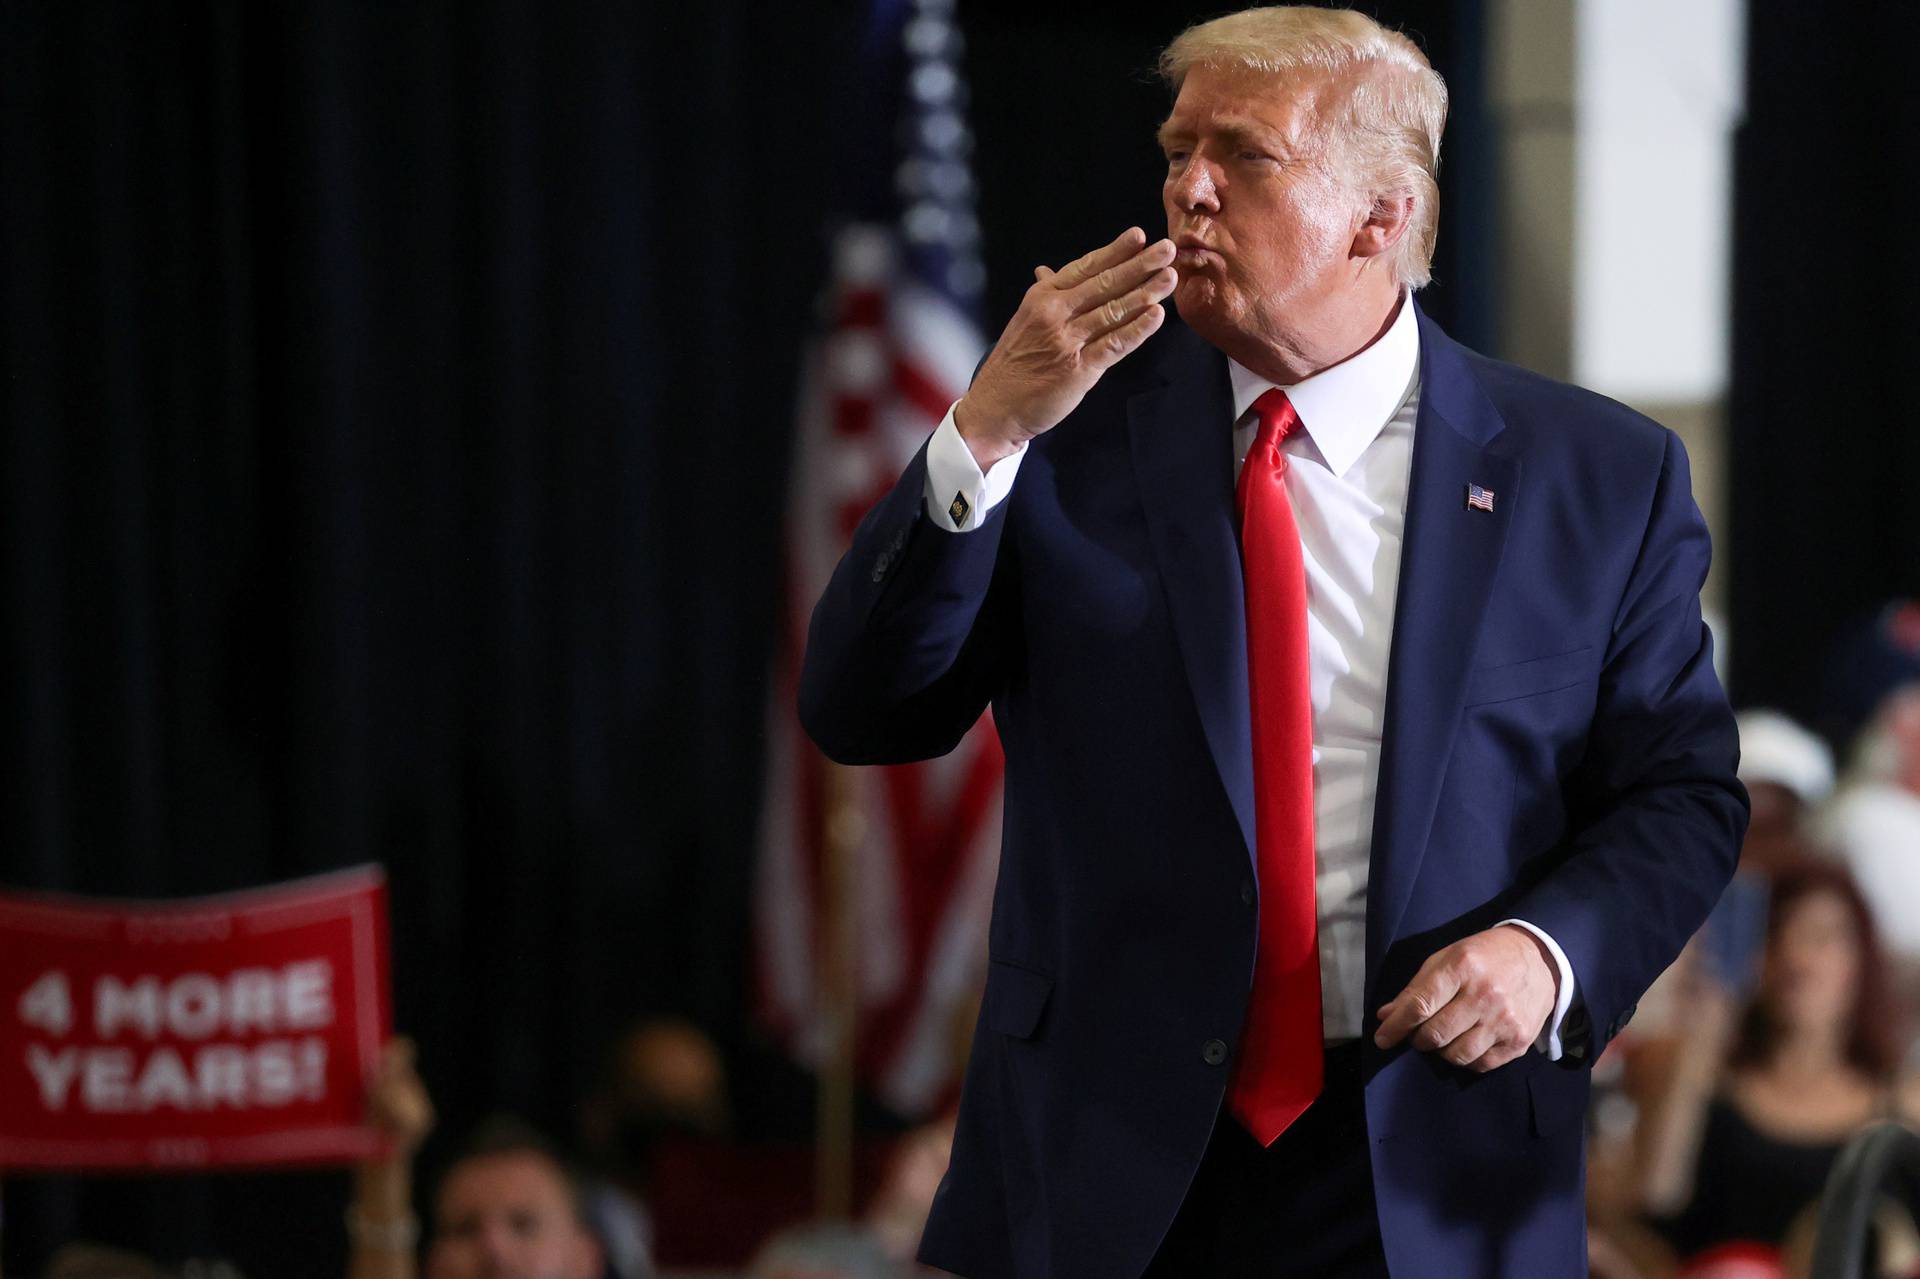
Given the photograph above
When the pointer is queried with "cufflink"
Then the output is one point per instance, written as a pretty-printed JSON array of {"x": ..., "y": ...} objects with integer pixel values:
[{"x": 959, "y": 509}]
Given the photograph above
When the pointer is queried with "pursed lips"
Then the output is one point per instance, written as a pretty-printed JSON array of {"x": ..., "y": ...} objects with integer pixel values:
[{"x": 1192, "y": 252}]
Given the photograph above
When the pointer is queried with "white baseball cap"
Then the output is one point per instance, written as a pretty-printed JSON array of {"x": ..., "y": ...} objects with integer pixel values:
[{"x": 1773, "y": 748}]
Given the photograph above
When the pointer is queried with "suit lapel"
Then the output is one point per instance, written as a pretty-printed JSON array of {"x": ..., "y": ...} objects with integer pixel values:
[
  {"x": 1447, "y": 569},
  {"x": 1183, "y": 462}
]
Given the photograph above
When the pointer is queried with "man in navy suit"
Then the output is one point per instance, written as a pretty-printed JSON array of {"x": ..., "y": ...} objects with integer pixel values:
[{"x": 1365, "y": 759}]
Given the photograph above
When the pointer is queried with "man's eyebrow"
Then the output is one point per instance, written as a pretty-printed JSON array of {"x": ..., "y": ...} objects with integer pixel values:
[
  {"x": 1236, "y": 131},
  {"x": 1247, "y": 131}
]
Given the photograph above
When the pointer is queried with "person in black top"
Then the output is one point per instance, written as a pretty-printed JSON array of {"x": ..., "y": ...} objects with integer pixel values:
[{"x": 1761, "y": 1103}]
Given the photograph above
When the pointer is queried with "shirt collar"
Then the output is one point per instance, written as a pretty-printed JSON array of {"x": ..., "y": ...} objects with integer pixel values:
[{"x": 1346, "y": 406}]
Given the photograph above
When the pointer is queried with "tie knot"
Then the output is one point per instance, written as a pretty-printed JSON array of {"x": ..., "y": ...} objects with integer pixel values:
[{"x": 1278, "y": 419}]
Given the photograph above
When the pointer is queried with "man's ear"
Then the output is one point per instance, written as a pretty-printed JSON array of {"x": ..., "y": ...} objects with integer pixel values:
[{"x": 1385, "y": 224}]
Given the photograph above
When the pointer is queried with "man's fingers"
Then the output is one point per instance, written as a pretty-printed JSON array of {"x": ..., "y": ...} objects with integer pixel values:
[
  {"x": 1082, "y": 269},
  {"x": 1397, "y": 1017},
  {"x": 1409, "y": 1009},
  {"x": 1472, "y": 1004},
  {"x": 1451, "y": 1022},
  {"x": 1430, "y": 990},
  {"x": 1470, "y": 1043},
  {"x": 1114, "y": 312},
  {"x": 1495, "y": 1057},
  {"x": 1116, "y": 344},
  {"x": 1110, "y": 282}
]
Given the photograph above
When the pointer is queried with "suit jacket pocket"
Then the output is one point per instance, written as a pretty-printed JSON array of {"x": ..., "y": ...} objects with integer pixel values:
[
  {"x": 1530, "y": 678},
  {"x": 1014, "y": 1000}
]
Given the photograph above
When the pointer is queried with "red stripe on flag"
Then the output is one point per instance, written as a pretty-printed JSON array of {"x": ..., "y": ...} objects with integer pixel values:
[
  {"x": 862, "y": 309},
  {"x": 919, "y": 389},
  {"x": 933, "y": 846},
  {"x": 852, "y": 414}
]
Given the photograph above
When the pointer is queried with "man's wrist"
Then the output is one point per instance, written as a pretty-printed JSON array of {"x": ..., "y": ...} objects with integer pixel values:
[
  {"x": 1551, "y": 1038},
  {"x": 384, "y": 1187},
  {"x": 1546, "y": 957},
  {"x": 386, "y": 1232},
  {"x": 986, "y": 446}
]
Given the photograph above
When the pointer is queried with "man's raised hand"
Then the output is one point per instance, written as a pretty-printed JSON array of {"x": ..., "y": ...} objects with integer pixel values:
[{"x": 1073, "y": 325}]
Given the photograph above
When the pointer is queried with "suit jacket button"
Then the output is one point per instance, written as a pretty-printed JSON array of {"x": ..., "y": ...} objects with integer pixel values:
[
  {"x": 881, "y": 565},
  {"x": 1246, "y": 892},
  {"x": 1213, "y": 1052}
]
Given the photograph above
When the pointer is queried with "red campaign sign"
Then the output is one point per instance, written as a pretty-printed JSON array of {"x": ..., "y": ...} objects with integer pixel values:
[{"x": 230, "y": 1031}]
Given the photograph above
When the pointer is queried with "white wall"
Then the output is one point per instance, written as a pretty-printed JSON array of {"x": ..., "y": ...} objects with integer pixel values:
[{"x": 1658, "y": 90}]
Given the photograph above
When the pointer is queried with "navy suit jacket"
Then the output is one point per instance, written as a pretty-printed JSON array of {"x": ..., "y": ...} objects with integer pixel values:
[{"x": 1556, "y": 748}]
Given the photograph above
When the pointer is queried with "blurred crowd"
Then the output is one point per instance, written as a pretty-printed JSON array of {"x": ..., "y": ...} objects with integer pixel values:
[
  {"x": 512, "y": 1204},
  {"x": 1786, "y": 1027},
  {"x": 1781, "y": 1033}
]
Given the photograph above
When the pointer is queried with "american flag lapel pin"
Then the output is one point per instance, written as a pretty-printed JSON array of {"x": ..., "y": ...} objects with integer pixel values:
[{"x": 1479, "y": 499}]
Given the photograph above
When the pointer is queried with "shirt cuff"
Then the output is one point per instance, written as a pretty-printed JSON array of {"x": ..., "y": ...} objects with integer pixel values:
[
  {"x": 1550, "y": 1041},
  {"x": 959, "y": 494}
]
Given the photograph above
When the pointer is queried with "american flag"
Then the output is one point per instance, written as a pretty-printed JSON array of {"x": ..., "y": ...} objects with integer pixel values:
[
  {"x": 899, "y": 337},
  {"x": 1479, "y": 499}
]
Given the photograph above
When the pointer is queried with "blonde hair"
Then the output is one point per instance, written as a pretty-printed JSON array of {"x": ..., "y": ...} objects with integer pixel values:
[{"x": 1387, "y": 139}]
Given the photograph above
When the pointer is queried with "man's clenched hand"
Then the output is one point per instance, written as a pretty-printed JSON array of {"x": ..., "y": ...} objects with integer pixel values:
[
  {"x": 1073, "y": 325},
  {"x": 1479, "y": 1003}
]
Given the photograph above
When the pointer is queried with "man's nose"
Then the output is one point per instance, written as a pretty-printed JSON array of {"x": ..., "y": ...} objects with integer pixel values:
[{"x": 1194, "y": 189}]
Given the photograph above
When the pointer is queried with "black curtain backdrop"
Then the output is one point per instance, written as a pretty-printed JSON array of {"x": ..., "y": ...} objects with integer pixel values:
[
  {"x": 1825, "y": 454},
  {"x": 396, "y": 407}
]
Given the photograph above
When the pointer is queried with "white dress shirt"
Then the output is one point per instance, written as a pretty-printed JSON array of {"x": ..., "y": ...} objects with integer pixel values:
[{"x": 1347, "y": 477}]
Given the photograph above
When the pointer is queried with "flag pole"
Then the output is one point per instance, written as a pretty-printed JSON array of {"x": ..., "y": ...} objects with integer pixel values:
[{"x": 839, "y": 996}]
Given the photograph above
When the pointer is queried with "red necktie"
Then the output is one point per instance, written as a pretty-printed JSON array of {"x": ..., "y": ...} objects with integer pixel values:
[{"x": 1279, "y": 1069}]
